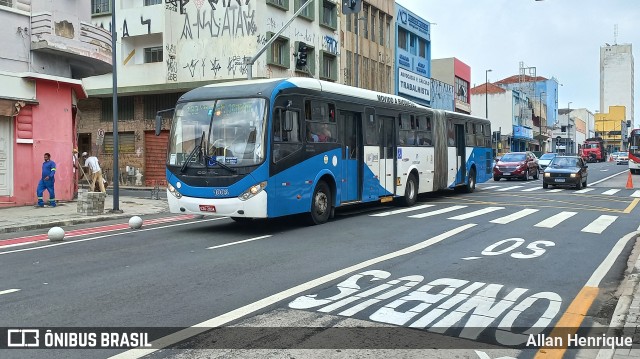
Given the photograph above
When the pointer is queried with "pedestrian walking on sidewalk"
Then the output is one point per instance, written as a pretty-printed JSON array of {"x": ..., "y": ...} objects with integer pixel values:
[
  {"x": 96, "y": 172},
  {"x": 47, "y": 181}
]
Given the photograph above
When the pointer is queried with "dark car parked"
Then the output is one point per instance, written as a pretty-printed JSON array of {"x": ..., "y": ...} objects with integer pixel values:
[
  {"x": 523, "y": 165},
  {"x": 566, "y": 171}
]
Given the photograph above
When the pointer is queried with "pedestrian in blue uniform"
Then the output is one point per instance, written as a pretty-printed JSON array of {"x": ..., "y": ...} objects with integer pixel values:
[{"x": 47, "y": 181}]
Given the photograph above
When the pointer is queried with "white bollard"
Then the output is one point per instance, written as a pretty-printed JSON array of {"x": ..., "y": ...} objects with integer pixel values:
[
  {"x": 56, "y": 234},
  {"x": 135, "y": 222}
]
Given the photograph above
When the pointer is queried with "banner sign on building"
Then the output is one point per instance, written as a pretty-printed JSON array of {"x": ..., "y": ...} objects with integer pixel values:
[
  {"x": 414, "y": 85},
  {"x": 522, "y": 132}
]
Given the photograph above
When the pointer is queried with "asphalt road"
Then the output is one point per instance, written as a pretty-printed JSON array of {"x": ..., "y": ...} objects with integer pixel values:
[{"x": 455, "y": 271}]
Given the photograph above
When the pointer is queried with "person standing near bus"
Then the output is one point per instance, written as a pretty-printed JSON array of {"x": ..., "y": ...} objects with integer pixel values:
[
  {"x": 96, "y": 171},
  {"x": 47, "y": 181}
]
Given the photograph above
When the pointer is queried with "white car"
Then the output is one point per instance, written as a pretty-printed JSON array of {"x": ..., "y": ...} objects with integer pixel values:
[
  {"x": 545, "y": 159},
  {"x": 623, "y": 158}
]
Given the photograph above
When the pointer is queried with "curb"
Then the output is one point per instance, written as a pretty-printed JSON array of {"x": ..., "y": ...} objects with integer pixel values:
[
  {"x": 69, "y": 222},
  {"x": 628, "y": 300}
]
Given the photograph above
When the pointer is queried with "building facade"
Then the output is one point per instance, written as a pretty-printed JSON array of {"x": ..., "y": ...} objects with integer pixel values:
[
  {"x": 612, "y": 127},
  {"x": 616, "y": 79},
  {"x": 47, "y": 48},
  {"x": 413, "y": 57},
  {"x": 166, "y": 48},
  {"x": 367, "y": 52},
  {"x": 457, "y": 74}
]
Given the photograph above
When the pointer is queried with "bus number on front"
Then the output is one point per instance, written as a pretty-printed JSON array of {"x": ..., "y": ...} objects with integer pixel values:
[{"x": 221, "y": 192}]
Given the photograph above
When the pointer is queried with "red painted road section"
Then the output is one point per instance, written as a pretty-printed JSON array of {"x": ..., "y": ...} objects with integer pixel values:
[{"x": 94, "y": 230}]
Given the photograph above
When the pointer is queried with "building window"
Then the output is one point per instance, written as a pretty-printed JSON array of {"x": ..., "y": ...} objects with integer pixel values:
[
  {"x": 126, "y": 142},
  {"x": 373, "y": 25},
  {"x": 365, "y": 21},
  {"x": 125, "y": 109},
  {"x": 462, "y": 90},
  {"x": 278, "y": 52},
  {"x": 422, "y": 48},
  {"x": 413, "y": 44},
  {"x": 329, "y": 69},
  {"x": 100, "y": 6},
  {"x": 348, "y": 19},
  {"x": 6, "y": 3},
  {"x": 381, "y": 26},
  {"x": 154, "y": 103},
  {"x": 282, "y": 4},
  {"x": 402, "y": 38},
  {"x": 348, "y": 72},
  {"x": 308, "y": 12},
  {"x": 153, "y": 54},
  {"x": 152, "y": 2},
  {"x": 388, "y": 32},
  {"x": 328, "y": 16}
]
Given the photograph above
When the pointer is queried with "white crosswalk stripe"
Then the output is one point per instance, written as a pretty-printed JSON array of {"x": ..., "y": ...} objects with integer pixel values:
[
  {"x": 555, "y": 220},
  {"x": 531, "y": 189},
  {"x": 397, "y": 211},
  {"x": 611, "y": 191},
  {"x": 476, "y": 213},
  {"x": 436, "y": 212},
  {"x": 636, "y": 194},
  {"x": 515, "y": 216},
  {"x": 490, "y": 187},
  {"x": 555, "y": 190},
  {"x": 507, "y": 188},
  {"x": 600, "y": 224},
  {"x": 584, "y": 190}
]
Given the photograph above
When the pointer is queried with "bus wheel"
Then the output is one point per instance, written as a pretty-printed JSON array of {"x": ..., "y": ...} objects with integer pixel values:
[
  {"x": 471, "y": 184},
  {"x": 410, "y": 192},
  {"x": 320, "y": 204}
]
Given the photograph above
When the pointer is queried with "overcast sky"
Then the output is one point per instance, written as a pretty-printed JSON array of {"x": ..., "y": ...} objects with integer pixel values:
[{"x": 560, "y": 38}]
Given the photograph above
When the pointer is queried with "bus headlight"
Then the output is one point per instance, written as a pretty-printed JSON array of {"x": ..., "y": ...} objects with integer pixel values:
[
  {"x": 173, "y": 191},
  {"x": 252, "y": 191}
]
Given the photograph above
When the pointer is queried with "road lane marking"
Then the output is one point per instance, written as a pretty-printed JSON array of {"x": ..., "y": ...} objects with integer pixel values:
[
  {"x": 470, "y": 258},
  {"x": 555, "y": 220},
  {"x": 555, "y": 190},
  {"x": 9, "y": 291},
  {"x": 611, "y": 192},
  {"x": 476, "y": 213},
  {"x": 631, "y": 205},
  {"x": 584, "y": 190},
  {"x": 636, "y": 194},
  {"x": 440, "y": 211},
  {"x": 240, "y": 242},
  {"x": 531, "y": 189},
  {"x": 571, "y": 320},
  {"x": 600, "y": 224},
  {"x": 396, "y": 211},
  {"x": 606, "y": 178},
  {"x": 515, "y": 216},
  {"x": 489, "y": 187},
  {"x": 110, "y": 235},
  {"x": 275, "y": 298},
  {"x": 508, "y": 188}
]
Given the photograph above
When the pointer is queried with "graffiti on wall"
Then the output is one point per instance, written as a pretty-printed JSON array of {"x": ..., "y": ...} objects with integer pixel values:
[
  {"x": 201, "y": 67},
  {"x": 236, "y": 63},
  {"x": 442, "y": 95},
  {"x": 143, "y": 22},
  {"x": 172, "y": 63},
  {"x": 230, "y": 21},
  {"x": 331, "y": 44},
  {"x": 173, "y": 5}
]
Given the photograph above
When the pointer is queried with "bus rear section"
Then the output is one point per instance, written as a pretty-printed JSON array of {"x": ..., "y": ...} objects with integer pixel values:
[{"x": 634, "y": 151}]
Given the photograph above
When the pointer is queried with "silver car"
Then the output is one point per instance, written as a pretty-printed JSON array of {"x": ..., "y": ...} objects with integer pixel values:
[
  {"x": 623, "y": 158},
  {"x": 545, "y": 159}
]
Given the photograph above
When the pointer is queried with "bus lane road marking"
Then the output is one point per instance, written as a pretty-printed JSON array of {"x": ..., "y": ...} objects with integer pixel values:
[
  {"x": 240, "y": 242},
  {"x": 275, "y": 298},
  {"x": 9, "y": 291}
]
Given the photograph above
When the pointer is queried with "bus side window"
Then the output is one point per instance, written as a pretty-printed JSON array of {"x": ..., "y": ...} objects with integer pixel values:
[
  {"x": 424, "y": 135},
  {"x": 406, "y": 129},
  {"x": 371, "y": 131},
  {"x": 285, "y": 141}
]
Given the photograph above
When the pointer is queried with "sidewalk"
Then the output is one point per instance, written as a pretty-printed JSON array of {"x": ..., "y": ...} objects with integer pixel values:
[{"x": 138, "y": 202}]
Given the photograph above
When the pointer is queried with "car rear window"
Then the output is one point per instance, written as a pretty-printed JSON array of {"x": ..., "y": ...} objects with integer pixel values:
[
  {"x": 513, "y": 157},
  {"x": 548, "y": 156}
]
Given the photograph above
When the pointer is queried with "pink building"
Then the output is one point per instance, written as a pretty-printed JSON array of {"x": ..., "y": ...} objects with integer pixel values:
[{"x": 54, "y": 47}]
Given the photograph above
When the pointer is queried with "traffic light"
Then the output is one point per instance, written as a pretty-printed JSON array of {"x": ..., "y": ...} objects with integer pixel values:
[
  {"x": 301, "y": 60},
  {"x": 351, "y": 6}
]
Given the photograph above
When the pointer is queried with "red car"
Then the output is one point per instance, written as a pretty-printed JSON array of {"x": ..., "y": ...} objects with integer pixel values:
[{"x": 523, "y": 165}]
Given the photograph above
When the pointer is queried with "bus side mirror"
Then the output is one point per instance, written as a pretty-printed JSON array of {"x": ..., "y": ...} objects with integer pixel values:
[{"x": 158, "y": 124}]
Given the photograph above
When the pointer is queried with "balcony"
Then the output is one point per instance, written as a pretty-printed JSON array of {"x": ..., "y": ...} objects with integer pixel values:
[{"x": 88, "y": 51}]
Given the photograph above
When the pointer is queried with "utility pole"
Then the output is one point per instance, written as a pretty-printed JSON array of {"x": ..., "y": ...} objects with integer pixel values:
[
  {"x": 249, "y": 61},
  {"x": 114, "y": 75}
]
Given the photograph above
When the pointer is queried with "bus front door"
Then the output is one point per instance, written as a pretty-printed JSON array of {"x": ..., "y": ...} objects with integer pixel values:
[
  {"x": 351, "y": 182},
  {"x": 387, "y": 156},
  {"x": 371, "y": 128}
]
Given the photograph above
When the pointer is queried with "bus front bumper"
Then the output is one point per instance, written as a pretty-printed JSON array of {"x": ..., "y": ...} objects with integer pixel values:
[{"x": 254, "y": 207}]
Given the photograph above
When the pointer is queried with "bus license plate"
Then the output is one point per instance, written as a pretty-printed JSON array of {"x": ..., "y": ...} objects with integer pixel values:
[
  {"x": 559, "y": 179},
  {"x": 507, "y": 174},
  {"x": 207, "y": 208}
]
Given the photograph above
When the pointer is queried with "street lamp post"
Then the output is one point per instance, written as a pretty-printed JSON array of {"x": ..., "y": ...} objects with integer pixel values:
[
  {"x": 569, "y": 126},
  {"x": 486, "y": 94}
]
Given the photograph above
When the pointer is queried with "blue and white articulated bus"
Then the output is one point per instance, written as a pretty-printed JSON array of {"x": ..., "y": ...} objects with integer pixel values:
[{"x": 277, "y": 147}]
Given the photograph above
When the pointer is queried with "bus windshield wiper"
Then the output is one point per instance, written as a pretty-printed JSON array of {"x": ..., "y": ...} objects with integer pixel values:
[{"x": 197, "y": 148}]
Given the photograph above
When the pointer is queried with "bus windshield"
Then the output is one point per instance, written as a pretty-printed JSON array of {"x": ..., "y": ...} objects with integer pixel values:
[{"x": 232, "y": 129}]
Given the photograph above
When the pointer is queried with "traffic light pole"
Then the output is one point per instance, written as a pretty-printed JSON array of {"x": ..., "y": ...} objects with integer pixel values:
[{"x": 249, "y": 61}]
